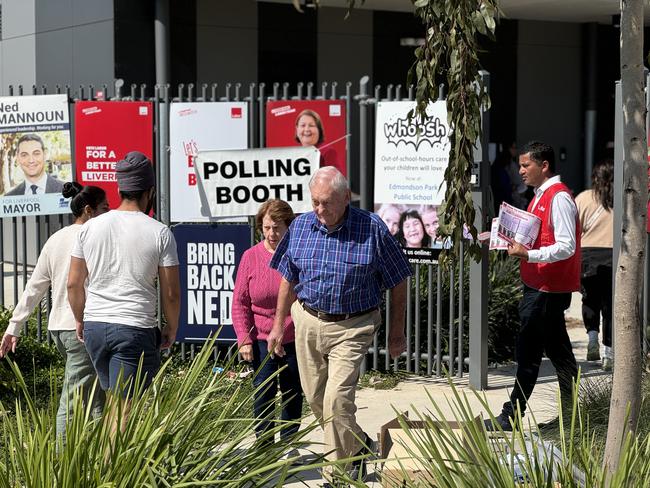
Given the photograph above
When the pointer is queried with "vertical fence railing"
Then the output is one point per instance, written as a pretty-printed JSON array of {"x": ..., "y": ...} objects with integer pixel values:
[
  {"x": 436, "y": 298},
  {"x": 428, "y": 310}
]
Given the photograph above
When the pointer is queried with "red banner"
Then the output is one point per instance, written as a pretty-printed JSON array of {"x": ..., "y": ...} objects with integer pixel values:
[
  {"x": 104, "y": 133},
  {"x": 319, "y": 123}
]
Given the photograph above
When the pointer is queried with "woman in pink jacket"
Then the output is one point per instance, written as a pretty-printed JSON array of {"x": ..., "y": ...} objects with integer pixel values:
[{"x": 253, "y": 310}]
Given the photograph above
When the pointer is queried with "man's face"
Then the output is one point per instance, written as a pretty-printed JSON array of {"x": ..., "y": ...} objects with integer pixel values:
[
  {"x": 31, "y": 158},
  {"x": 430, "y": 220},
  {"x": 532, "y": 173},
  {"x": 329, "y": 206}
]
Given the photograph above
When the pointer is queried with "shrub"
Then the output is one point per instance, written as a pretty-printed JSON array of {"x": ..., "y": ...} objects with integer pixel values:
[{"x": 41, "y": 365}]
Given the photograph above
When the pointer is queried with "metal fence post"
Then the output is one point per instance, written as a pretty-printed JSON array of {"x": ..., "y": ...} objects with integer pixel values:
[
  {"x": 363, "y": 143},
  {"x": 478, "y": 272}
]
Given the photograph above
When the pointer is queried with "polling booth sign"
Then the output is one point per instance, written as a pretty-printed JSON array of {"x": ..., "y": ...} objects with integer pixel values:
[
  {"x": 235, "y": 183},
  {"x": 35, "y": 159},
  {"x": 209, "y": 256},
  {"x": 194, "y": 127},
  {"x": 104, "y": 133},
  {"x": 410, "y": 163}
]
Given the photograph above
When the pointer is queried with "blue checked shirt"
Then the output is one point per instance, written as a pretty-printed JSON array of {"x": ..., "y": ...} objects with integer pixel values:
[{"x": 344, "y": 271}]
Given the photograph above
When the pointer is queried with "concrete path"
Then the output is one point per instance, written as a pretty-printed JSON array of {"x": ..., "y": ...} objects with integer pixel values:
[{"x": 376, "y": 407}]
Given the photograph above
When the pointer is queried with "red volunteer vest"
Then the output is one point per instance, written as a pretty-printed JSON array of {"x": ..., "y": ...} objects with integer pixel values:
[{"x": 561, "y": 276}]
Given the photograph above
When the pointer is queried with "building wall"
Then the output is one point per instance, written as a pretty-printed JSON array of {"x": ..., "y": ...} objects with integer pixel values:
[
  {"x": 549, "y": 92},
  {"x": 74, "y": 42},
  {"x": 344, "y": 46},
  {"x": 226, "y": 47},
  {"x": 18, "y": 44}
]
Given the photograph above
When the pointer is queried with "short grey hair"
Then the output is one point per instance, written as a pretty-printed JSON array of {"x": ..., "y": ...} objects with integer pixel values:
[{"x": 332, "y": 176}]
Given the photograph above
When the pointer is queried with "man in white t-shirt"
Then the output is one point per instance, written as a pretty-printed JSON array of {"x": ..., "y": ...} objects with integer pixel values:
[{"x": 122, "y": 255}]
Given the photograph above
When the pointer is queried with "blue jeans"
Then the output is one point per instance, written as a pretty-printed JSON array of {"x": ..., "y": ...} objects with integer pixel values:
[
  {"x": 289, "y": 380},
  {"x": 116, "y": 349}
]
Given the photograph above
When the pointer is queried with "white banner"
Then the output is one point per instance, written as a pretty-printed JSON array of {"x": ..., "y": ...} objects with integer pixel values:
[
  {"x": 410, "y": 166},
  {"x": 194, "y": 127},
  {"x": 236, "y": 183},
  {"x": 35, "y": 156}
]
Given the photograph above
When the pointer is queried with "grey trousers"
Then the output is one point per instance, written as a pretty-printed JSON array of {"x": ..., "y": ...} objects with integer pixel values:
[{"x": 79, "y": 375}]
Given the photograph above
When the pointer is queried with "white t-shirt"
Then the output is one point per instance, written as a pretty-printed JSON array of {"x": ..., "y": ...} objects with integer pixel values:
[{"x": 123, "y": 250}]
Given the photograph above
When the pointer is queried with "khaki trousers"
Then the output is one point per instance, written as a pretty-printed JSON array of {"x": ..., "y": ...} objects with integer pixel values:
[{"x": 329, "y": 360}]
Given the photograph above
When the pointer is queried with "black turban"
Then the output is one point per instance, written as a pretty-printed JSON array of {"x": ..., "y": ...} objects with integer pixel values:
[{"x": 135, "y": 173}]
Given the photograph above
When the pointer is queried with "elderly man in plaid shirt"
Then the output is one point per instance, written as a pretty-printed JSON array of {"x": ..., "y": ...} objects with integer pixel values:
[{"x": 336, "y": 263}]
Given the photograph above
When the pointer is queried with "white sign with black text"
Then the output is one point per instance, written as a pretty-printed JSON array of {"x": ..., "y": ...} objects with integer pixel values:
[
  {"x": 410, "y": 158},
  {"x": 236, "y": 183}
]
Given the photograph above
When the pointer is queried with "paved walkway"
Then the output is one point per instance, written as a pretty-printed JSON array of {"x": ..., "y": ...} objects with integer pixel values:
[{"x": 375, "y": 407}]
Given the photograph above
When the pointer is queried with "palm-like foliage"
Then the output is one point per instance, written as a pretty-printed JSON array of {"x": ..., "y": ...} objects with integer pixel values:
[
  {"x": 514, "y": 459},
  {"x": 194, "y": 432}
]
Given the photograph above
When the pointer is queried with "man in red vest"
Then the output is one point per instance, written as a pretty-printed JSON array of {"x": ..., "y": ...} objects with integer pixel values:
[{"x": 550, "y": 272}]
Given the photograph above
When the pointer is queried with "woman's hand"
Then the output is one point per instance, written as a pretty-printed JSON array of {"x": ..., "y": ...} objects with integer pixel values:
[
  {"x": 246, "y": 352},
  {"x": 9, "y": 343}
]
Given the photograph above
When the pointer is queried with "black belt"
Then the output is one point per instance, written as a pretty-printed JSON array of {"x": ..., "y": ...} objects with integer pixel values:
[{"x": 333, "y": 317}]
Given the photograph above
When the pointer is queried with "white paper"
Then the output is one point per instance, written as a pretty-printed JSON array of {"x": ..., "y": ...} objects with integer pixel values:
[{"x": 516, "y": 225}]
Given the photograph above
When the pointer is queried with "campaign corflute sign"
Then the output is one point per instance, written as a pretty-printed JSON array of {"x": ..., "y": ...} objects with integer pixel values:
[
  {"x": 35, "y": 159},
  {"x": 104, "y": 133},
  {"x": 194, "y": 127},
  {"x": 209, "y": 256}
]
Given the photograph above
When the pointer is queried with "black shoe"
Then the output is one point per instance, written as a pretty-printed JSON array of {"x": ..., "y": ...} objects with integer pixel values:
[
  {"x": 359, "y": 469},
  {"x": 333, "y": 485},
  {"x": 502, "y": 422}
]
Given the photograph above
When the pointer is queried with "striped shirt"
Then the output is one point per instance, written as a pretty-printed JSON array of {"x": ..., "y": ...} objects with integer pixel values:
[{"x": 345, "y": 270}]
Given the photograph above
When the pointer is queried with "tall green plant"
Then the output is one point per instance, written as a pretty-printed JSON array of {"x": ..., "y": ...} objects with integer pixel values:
[
  {"x": 512, "y": 459},
  {"x": 196, "y": 432},
  {"x": 450, "y": 55}
]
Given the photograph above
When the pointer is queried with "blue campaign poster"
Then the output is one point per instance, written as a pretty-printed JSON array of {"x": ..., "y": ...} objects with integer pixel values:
[{"x": 209, "y": 256}]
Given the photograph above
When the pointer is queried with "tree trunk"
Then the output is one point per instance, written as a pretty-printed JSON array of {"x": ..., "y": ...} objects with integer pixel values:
[{"x": 626, "y": 388}]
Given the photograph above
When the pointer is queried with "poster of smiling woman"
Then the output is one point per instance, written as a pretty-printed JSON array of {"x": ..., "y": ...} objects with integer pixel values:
[
  {"x": 410, "y": 163},
  {"x": 318, "y": 123},
  {"x": 35, "y": 158}
]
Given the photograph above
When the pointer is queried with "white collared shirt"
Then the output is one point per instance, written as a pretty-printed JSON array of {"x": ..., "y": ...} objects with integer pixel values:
[
  {"x": 563, "y": 218},
  {"x": 42, "y": 181}
]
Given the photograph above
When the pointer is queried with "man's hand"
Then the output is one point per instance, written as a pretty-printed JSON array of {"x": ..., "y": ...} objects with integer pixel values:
[
  {"x": 274, "y": 341},
  {"x": 246, "y": 352},
  {"x": 80, "y": 331},
  {"x": 170, "y": 299},
  {"x": 168, "y": 337},
  {"x": 518, "y": 251},
  {"x": 9, "y": 343},
  {"x": 396, "y": 344}
]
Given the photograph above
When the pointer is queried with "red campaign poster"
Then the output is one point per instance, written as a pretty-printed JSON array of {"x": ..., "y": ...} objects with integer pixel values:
[
  {"x": 319, "y": 123},
  {"x": 104, "y": 133}
]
